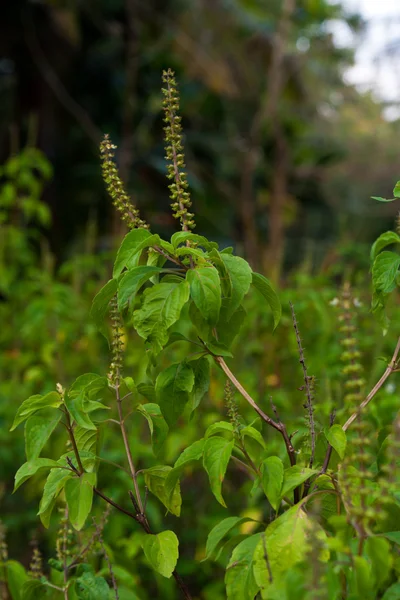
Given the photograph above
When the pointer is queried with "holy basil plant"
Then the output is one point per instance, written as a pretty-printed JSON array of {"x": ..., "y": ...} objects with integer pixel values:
[{"x": 325, "y": 501}]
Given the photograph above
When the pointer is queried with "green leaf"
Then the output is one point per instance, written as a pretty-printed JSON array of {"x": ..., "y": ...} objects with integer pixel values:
[
  {"x": 240, "y": 274},
  {"x": 203, "y": 329},
  {"x": 386, "y": 239},
  {"x": 205, "y": 290},
  {"x": 379, "y": 553},
  {"x": 55, "y": 482},
  {"x": 90, "y": 383},
  {"x": 161, "y": 551},
  {"x": 75, "y": 406},
  {"x": 15, "y": 577},
  {"x": 254, "y": 434},
  {"x": 38, "y": 429},
  {"x": 77, "y": 399},
  {"x": 86, "y": 439},
  {"x": 132, "y": 281},
  {"x": 219, "y": 427},
  {"x": 35, "y": 403},
  {"x": 30, "y": 468},
  {"x": 91, "y": 587},
  {"x": 217, "y": 453},
  {"x": 396, "y": 190},
  {"x": 201, "y": 370},
  {"x": 190, "y": 455},
  {"x": 157, "y": 425},
  {"x": 173, "y": 387},
  {"x": 181, "y": 237},
  {"x": 264, "y": 286},
  {"x": 239, "y": 578},
  {"x": 227, "y": 329},
  {"x": 161, "y": 308},
  {"x": 384, "y": 271},
  {"x": 32, "y": 589},
  {"x": 193, "y": 252},
  {"x": 218, "y": 349},
  {"x": 392, "y": 593},
  {"x": 79, "y": 498},
  {"x": 379, "y": 311},
  {"x": 286, "y": 542},
  {"x": 155, "y": 479},
  {"x": 216, "y": 537},
  {"x": 361, "y": 584},
  {"x": 130, "y": 249},
  {"x": 393, "y": 536},
  {"x": 100, "y": 305},
  {"x": 380, "y": 199},
  {"x": 272, "y": 479},
  {"x": 337, "y": 439},
  {"x": 295, "y": 476}
]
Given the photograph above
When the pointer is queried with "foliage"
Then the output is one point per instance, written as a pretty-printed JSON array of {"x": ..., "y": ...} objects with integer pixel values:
[{"x": 316, "y": 492}]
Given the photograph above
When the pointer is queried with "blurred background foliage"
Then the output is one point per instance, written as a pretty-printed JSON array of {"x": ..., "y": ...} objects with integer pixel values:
[{"x": 282, "y": 157}]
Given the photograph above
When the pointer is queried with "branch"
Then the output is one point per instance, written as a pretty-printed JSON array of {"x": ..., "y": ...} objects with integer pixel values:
[
  {"x": 279, "y": 426},
  {"x": 389, "y": 370}
]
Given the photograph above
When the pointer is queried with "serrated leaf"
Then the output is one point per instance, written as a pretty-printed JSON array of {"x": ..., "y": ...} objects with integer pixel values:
[
  {"x": 38, "y": 430},
  {"x": 131, "y": 282},
  {"x": 55, "y": 482},
  {"x": 286, "y": 542},
  {"x": 201, "y": 370},
  {"x": 180, "y": 237},
  {"x": 90, "y": 383},
  {"x": 100, "y": 305},
  {"x": 157, "y": 425},
  {"x": 385, "y": 239},
  {"x": 227, "y": 329},
  {"x": 35, "y": 403},
  {"x": 79, "y": 498},
  {"x": 91, "y": 587},
  {"x": 264, "y": 286},
  {"x": 130, "y": 249},
  {"x": 173, "y": 387},
  {"x": 190, "y": 455},
  {"x": 384, "y": 271},
  {"x": 337, "y": 439},
  {"x": 30, "y": 468},
  {"x": 203, "y": 329},
  {"x": 295, "y": 476},
  {"x": 205, "y": 290},
  {"x": 218, "y": 349},
  {"x": 240, "y": 275},
  {"x": 75, "y": 406},
  {"x": 239, "y": 578},
  {"x": 161, "y": 308},
  {"x": 161, "y": 551},
  {"x": 155, "y": 479},
  {"x": 219, "y": 427},
  {"x": 216, "y": 537},
  {"x": 272, "y": 471},
  {"x": 217, "y": 453}
]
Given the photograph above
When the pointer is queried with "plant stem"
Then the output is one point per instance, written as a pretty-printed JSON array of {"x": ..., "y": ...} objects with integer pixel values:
[
  {"x": 278, "y": 426},
  {"x": 307, "y": 385},
  {"x": 126, "y": 445},
  {"x": 389, "y": 370}
]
